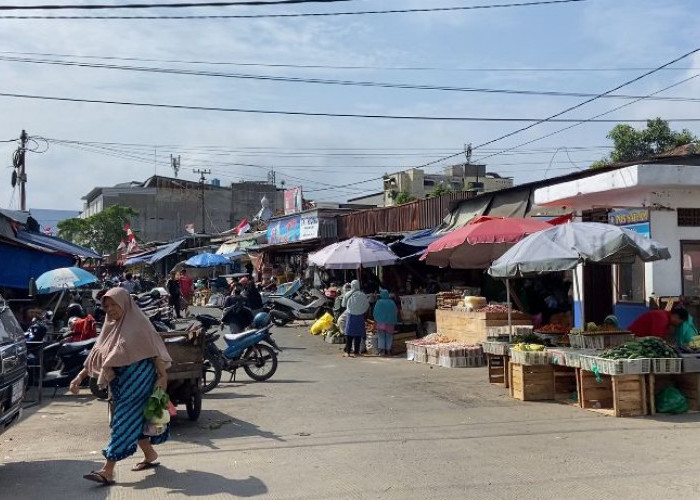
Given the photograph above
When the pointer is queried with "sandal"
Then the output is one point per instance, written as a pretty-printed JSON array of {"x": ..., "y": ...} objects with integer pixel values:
[
  {"x": 145, "y": 466},
  {"x": 98, "y": 477}
]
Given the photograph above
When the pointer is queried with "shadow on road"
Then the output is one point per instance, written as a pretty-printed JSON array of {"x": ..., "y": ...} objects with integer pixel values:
[
  {"x": 194, "y": 483},
  {"x": 58, "y": 479},
  {"x": 229, "y": 395}
]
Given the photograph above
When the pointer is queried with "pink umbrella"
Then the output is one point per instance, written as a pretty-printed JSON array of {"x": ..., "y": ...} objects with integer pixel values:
[{"x": 480, "y": 242}]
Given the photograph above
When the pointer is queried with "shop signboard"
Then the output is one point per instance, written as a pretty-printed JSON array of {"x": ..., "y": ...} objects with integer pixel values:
[
  {"x": 636, "y": 219},
  {"x": 293, "y": 200},
  {"x": 285, "y": 230},
  {"x": 308, "y": 227}
]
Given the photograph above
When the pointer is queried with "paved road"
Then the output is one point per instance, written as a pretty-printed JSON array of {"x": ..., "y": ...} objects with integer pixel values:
[{"x": 327, "y": 427}]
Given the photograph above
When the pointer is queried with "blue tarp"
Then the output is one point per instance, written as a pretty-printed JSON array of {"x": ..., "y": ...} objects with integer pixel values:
[
  {"x": 19, "y": 264},
  {"x": 415, "y": 243},
  {"x": 164, "y": 251},
  {"x": 56, "y": 244},
  {"x": 141, "y": 258}
]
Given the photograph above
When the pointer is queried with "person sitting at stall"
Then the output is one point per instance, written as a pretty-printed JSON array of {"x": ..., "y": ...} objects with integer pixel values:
[
  {"x": 385, "y": 316},
  {"x": 683, "y": 328},
  {"x": 611, "y": 322}
]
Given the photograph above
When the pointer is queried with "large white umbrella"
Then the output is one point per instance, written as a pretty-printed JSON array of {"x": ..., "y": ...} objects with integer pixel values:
[
  {"x": 563, "y": 248},
  {"x": 353, "y": 254}
]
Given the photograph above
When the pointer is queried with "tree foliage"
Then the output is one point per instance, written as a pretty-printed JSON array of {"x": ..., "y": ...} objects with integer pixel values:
[
  {"x": 439, "y": 190},
  {"x": 403, "y": 197},
  {"x": 102, "y": 232},
  {"x": 632, "y": 144}
]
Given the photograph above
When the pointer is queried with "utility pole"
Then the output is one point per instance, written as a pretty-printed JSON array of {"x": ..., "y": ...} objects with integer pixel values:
[
  {"x": 22, "y": 177},
  {"x": 175, "y": 164},
  {"x": 202, "y": 180}
]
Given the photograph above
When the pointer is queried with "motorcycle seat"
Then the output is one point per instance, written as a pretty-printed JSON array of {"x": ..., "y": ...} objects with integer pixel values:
[
  {"x": 235, "y": 337},
  {"x": 77, "y": 346}
]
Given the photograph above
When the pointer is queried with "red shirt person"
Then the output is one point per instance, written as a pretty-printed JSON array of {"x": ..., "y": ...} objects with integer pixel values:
[
  {"x": 654, "y": 323},
  {"x": 186, "y": 285}
]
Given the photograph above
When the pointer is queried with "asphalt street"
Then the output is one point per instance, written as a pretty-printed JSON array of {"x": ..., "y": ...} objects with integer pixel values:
[{"x": 328, "y": 427}]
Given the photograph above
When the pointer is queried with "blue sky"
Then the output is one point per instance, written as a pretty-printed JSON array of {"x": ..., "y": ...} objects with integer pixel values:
[{"x": 596, "y": 33}]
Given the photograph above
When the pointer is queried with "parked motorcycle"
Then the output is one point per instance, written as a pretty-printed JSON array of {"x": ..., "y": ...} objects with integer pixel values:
[
  {"x": 253, "y": 350},
  {"x": 295, "y": 304}
]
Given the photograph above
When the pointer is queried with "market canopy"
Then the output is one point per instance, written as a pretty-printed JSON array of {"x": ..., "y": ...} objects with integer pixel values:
[
  {"x": 352, "y": 254},
  {"x": 563, "y": 248},
  {"x": 207, "y": 260},
  {"x": 415, "y": 244},
  {"x": 480, "y": 242},
  {"x": 56, "y": 244}
]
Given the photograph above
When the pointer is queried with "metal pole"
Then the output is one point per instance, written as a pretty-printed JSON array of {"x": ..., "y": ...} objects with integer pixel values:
[
  {"x": 577, "y": 288},
  {"x": 510, "y": 312},
  {"x": 22, "y": 171}
]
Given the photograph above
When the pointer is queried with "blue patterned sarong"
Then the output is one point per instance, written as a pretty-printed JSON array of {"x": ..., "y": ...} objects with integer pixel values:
[{"x": 131, "y": 388}]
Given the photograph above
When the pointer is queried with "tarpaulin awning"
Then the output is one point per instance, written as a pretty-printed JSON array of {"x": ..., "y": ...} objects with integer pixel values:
[
  {"x": 163, "y": 251},
  {"x": 143, "y": 257},
  {"x": 19, "y": 264},
  {"x": 56, "y": 244},
  {"x": 415, "y": 243}
]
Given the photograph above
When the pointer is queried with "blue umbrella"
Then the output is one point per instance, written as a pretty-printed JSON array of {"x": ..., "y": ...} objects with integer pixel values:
[
  {"x": 63, "y": 278},
  {"x": 207, "y": 260}
]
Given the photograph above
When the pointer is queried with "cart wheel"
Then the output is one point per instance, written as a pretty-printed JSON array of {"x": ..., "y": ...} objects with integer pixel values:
[
  {"x": 194, "y": 405},
  {"x": 265, "y": 364}
]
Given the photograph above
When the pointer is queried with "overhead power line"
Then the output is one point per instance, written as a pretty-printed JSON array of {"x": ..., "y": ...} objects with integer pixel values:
[
  {"x": 347, "y": 67},
  {"x": 552, "y": 118},
  {"x": 534, "y": 121},
  {"x": 163, "y": 5},
  {"x": 304, "y": 14},
  {"x": 332, "y": 82}
]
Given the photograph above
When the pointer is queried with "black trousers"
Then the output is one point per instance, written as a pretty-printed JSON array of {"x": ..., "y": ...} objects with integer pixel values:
[
  {"x": 176, "y": 302},
  {"x": 352, "y": 344}
]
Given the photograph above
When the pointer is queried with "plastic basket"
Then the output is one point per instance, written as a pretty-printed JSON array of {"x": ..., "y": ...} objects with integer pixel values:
[
  {"x": 599, "y": 342},
  {"x": 557, "y": 356},
  {"x": 529, "y": 357},
  {"x": 666, "y": 365},
  {"x": 496, "y": 348},
  {"x": 576, "y": 340},
  {"x": 450, "y": 362},
  {"x": 615, "y": 366},
  {"x": 691, "y": 363}
]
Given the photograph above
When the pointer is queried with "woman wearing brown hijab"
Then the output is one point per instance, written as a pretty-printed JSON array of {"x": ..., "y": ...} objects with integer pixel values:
[{"x": 129, "y": 357}]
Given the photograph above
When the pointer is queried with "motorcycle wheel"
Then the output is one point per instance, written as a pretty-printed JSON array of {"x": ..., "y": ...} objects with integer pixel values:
[
  {"x": 211, "y": 373},
  {"x": 265, "y": 364},
  {"x": 279, "y": 321},
  {"x": 194, "y": 406},
  {"x": 96, "y": 390}
]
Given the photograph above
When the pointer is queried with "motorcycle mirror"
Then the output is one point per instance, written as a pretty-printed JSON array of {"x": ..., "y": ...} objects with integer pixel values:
[{"x": 31, "y": 288}]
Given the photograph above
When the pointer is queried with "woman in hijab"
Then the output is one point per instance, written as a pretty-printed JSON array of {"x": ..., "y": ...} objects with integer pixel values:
[
  {"x": 356, "y": 304},
  {"x": 385, "y": 317},
  {"x": 129, "y": 357}
]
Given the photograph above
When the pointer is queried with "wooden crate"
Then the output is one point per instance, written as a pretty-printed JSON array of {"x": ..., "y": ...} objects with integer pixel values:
[
  {"x": 532, "y": 383},
  {"x": 496, "y": 316},
  {"x": 565, "y": 384},
  {"x": 461, "y": 327},
  {"x": 497, "y": 369},
  {"x": 399, "y": 344},
  {"x": 614, "y": 395},
  {"x": 687, "y": 383}
]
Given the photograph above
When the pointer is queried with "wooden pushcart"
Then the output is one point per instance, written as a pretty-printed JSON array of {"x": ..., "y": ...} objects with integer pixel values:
[{"x": 185, "y": 374}]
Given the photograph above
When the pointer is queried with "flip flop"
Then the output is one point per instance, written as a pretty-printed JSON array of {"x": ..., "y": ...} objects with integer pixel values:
[
  {"x": 145, "y": 466},
  {"x": 97, "y": 477}
]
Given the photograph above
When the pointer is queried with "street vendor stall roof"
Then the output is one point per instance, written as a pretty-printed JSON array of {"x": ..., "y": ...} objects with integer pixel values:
[
  {"x": 56, "y": 244},
  {"x": 155, "y": 255}
]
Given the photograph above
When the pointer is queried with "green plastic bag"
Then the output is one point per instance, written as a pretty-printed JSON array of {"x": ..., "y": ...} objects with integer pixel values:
[{"x": 671, "y": 400}]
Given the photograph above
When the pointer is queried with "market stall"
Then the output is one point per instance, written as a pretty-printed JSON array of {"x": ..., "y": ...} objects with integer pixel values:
[{"x": 597, "y": 367}]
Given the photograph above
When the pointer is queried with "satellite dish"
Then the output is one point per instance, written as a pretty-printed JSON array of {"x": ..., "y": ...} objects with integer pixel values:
[{"x": 14, "y": 178}]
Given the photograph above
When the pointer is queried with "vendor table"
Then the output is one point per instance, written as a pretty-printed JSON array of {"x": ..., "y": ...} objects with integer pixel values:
[{"x": 472, "y": 327}]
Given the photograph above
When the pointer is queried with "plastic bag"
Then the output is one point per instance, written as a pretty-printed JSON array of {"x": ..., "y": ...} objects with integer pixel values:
[
  {"x": 323, "y": 323},
  {"x": 172, "y": 409},
  {"x": 671, "y": 400}
]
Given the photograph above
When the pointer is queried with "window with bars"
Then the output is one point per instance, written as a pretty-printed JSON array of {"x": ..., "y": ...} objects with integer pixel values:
[{"x": 688, "y": 217}]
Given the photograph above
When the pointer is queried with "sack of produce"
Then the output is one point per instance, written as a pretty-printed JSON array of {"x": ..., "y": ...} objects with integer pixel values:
[
  {"x": 321, "y": 324},
  {"x": 671, "y": 400}
]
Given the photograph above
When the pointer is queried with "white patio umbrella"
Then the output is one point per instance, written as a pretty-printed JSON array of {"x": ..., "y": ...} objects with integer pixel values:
[{"x": 353, "y": 254}]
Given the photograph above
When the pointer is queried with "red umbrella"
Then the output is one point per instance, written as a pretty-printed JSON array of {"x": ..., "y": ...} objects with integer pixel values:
[{"x": 480, "y": 242}]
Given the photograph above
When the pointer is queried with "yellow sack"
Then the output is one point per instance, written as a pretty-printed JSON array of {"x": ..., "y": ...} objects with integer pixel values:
[{"x": 321, "y": 324}]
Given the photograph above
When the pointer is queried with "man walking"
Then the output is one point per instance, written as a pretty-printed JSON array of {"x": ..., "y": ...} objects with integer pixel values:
[{"x": 173, "y": 286}]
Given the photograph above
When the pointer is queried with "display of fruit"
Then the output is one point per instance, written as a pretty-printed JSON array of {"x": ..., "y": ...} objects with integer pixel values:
[
  {"x": 530, "y": 338},
  {"x": 646, "y": 347},
  {"x": 554, "y": 329},
  {"x": 528, "y": 347}
]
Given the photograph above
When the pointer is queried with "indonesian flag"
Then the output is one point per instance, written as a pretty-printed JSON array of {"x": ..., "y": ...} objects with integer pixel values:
[
  {"x": 131, "y": 237},
  {"x": 189, "y": 228},
  {"x": 243, "y": 227}
]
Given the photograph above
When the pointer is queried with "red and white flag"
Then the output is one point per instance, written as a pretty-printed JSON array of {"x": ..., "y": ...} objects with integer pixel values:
[
  {"x": 48, "y": 230},
  {"x": 131, "y": 238},
  {"x": 189, "y": 228},
  {"x": 243, "y": 227}
]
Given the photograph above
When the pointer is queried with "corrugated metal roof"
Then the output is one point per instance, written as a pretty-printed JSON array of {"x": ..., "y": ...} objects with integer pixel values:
[{"x": 421, "y": 214}]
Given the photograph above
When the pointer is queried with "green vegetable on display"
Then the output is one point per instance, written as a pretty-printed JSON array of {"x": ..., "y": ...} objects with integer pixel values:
[{"x": 646, "y": 347}]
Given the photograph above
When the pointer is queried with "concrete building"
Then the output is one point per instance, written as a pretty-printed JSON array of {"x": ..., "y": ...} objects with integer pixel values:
[
  {"x": 417, "y": 183},
  {"x": 166, "y": 205}
]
